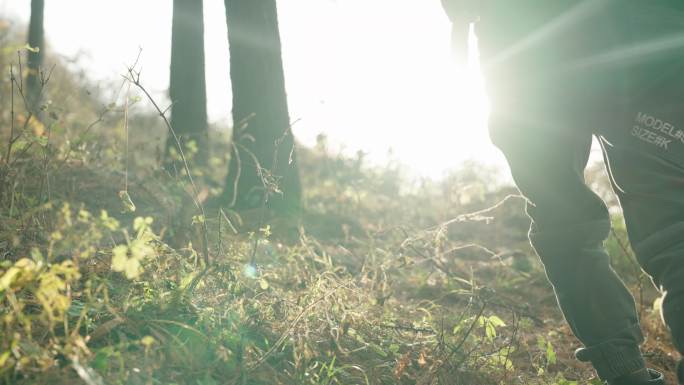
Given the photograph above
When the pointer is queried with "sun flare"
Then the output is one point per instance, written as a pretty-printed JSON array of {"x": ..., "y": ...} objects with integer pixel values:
[{"x": 388, "y": 83}]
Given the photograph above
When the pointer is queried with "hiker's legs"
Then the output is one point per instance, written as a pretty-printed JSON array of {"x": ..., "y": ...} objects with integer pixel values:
[
  {"x": 569, "y": 226},
  {"x": 651, "y": 193},
  {"x": 542, "y": 97}
]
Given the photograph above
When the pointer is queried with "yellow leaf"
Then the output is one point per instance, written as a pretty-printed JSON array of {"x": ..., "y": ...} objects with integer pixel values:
[
  {"x": 496, "y": 321},
  {"x": 140, "y": 250},
  {"x": 132, "y": 268},
  {"x": 3, "y": 358},
  {"x": 119, "y": 257},
  {"x": 111, "y": 223},
  {"x": 8, "y": 278},
  {"x": 35, "y": 49},
  {"x": 23, "y": 270},
  {"x": 148, "y": 341},
  {"x": 141, "y": 223}
]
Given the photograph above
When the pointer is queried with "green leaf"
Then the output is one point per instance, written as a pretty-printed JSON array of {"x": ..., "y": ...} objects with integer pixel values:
[
  {"x": 378, "y": 350},
  {"x": 197, "y": 219},
  {"x": 496, "y": 321},
  {"x": 490, "y": 331},
  {"x": 550, "y": 354},
  {"x": 101, "y": 360},
  {"x": 541, "y": 343},
  {"x": 490, "y": 324}
]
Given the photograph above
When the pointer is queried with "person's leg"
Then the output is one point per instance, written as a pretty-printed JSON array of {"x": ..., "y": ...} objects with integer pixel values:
[
  {"x": 651, "y": 193},
  {"x": 569, "y": 226},
  {"x": 647, "y": 161},
  {"x": 540, "y": 95}
]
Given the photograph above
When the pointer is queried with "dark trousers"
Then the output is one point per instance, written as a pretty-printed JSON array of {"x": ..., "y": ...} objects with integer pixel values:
[
  {"x": 555, "y": 78},
  {"x": 570, "y": 224}
]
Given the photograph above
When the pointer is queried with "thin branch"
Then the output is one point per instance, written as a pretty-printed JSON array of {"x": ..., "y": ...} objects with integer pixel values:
[
  {"x": 477, "y": 215},
  {"x": 126, "y": 161},
  {"x": 10, "y": 142},
  {"x": 134, "y": 77}
]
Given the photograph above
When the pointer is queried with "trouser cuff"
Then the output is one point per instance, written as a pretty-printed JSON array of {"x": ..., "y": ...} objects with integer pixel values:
[{"x": 612, "y": 361}]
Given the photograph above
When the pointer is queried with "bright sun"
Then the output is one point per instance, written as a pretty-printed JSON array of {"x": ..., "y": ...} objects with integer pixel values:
[{"x": 379, "y": 75}]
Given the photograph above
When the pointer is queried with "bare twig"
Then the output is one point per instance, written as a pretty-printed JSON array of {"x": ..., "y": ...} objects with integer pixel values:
[
  {"x": 134, "y": 77},
  {"x": 21, "y": 72},
  {"x": 474, "y": 216},
  {"x": 10, "y": 141},
  {"x": 238, "y": 172},
  {"x": 477, "y": 215},
  {"x": 126, "y": 161},
  {"x": 17, "y": 82},
  {"x": 408, "y": 328}
]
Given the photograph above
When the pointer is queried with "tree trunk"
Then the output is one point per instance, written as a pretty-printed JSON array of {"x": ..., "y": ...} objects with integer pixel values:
[
  {"x": 36, "y": 40},
  {"x": 188, "y": 85},
  {"x": 263, "y": 158}
]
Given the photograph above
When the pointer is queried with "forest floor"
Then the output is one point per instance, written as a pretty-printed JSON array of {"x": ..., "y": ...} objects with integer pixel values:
[
  {"x": 377, "y": 284},
  {"x": 108, "y": 274}
]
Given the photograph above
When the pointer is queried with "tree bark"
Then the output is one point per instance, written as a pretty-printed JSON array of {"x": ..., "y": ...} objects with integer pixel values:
[
  {"x": 263, "y": 158},
  {"x": 36, "y": 40},
  {"x": 188, "y": 84}
]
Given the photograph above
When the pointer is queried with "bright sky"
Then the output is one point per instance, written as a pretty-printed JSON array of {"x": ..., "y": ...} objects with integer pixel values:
[{"x": 370, "y": 74}]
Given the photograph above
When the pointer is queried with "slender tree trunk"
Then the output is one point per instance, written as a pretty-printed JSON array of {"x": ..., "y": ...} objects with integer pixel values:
[
  {"x": 188, "y": 84},
  {"x": 263, "y": 158},
  {"x": 36, "y": 40}
]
